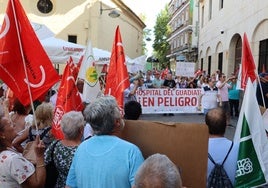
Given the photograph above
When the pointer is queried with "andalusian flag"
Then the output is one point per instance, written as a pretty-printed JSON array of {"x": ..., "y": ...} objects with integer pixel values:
[
  {"x": 252, "y": 162},
  {"x": 88, "y": 73}
]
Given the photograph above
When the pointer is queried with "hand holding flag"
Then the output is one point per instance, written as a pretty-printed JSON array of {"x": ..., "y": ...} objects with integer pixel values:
[
  {"x": 68, "y": 98},
  {"x": 24, "y": 65}
]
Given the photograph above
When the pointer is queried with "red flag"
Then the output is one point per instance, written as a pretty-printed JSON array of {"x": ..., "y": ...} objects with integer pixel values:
[
  {"x": 248, "y": 65},
  {"x": 164, "y": 73},
  {"x": 20, "y": 49},
  {"x": 198, "y": 72},
  {"x": 68, "y": 98},
  {"x": 117, "y": 79}
]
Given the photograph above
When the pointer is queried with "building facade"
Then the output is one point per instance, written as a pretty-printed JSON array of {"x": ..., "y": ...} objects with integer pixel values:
[
  {"x": 222, "y": 26},
  {"x": 82, "y": 20},
  {"x": 184, "y": 26}
]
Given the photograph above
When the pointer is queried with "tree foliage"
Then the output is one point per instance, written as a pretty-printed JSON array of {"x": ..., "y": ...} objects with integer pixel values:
[
  {"x": 161, "y": 32},
  {"x": 146, "y": 37},
  {"x": 146, "y": 34}
]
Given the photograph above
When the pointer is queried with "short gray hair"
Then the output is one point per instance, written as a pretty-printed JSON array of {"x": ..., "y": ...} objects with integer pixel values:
[
  {"x": 158, "y": 169},
  {"x": 71, "y": 124},
  {"x": 101, "y": 114}
]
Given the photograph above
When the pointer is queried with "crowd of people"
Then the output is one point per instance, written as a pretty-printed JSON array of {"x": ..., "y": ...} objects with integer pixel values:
[
  {"x": 91, "y": 146},
  {"x": 79, "y": 161},
  {"x": 216, "y": 89}
]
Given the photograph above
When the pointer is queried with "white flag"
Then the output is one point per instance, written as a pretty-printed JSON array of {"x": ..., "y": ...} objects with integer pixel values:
[
  {"x": 252, "y": 162},
  {"x": 90, "y": 76}
]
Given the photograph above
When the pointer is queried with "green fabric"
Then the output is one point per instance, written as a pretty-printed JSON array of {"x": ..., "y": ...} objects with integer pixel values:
[{"x": 249, "y": 172}]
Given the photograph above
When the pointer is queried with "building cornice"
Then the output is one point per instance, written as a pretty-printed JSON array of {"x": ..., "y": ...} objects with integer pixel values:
[{"x": 128, "y": 12}]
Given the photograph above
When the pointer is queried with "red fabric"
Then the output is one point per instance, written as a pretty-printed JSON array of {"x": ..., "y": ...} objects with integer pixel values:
[
  {"x": 198, "y": 72},
  {"x": 18, "y": 45},
  {"x": 164, "y": 73},
  {"x": 80, "y": 62},
  {"x": 117, "y": 79},
  {"x": 248, "y": 65},
  {"x": 68, "y": 98}
]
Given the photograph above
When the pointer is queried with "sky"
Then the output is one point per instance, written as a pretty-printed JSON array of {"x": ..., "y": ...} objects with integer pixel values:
[{"x": 151, "y": 8}]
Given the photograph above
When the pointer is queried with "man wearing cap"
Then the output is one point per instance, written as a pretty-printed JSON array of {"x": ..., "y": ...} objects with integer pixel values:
[
  {"x": 263, "y": 89},
  {"x": 157, "y": 81}
]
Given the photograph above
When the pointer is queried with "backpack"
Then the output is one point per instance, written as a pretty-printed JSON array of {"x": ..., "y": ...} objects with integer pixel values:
[
  {"x": 52, "y": 172},
  {"x": 218, "y": 177}
]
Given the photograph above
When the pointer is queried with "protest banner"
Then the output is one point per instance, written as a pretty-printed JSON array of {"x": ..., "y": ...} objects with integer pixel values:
[
  {"x": 168, "y": 100},
  {"x": 185, "y": 69}
]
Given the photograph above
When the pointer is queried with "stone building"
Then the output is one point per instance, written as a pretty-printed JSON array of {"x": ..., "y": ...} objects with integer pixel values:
[
  {"x": 183, "y": 39},
  {"x": 82, "y": 20},
  {"x": 222, "y": 26}
]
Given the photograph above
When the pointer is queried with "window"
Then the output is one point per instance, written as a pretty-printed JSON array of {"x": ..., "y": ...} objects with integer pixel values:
[
  {"x": 210, "y": 10},
  {"x": 263, "y": 56},
  {"x": 186, "y": 38},
  {"x": 220, "y": 59},
  {"x": 221, "y": 4},
  {"x": 186, "y": 16},
  {"x": 202, "y": 17},
  {"x": 45, "y": 6},
  {"x": 238, "y": 54},
  {"x": 177, "y": 4},
  {"x": 209, "y": 65},
  {"x": 72, "y": 38}
]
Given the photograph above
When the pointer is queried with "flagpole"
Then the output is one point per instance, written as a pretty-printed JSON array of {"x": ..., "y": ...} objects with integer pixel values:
[
  {"x": 24, "y": 64},
  {"x": 262, "y": 96},
  {"x": 261, "y": 90}
]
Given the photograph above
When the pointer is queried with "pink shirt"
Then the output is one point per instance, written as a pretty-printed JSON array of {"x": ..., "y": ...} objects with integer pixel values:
[{"x": 223, "y": 91}]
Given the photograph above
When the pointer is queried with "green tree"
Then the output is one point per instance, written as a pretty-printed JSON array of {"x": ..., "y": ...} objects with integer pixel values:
[
  {"x": 146, "y": 37},
  {"x": 146, "y": 34},
  {"x": 161, "y": 32}
]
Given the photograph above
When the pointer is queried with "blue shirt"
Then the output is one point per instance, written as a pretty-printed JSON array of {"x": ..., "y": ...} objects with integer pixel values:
[
  {"x": 234, "y": 93},
  {"x": 104, "y": 161}
]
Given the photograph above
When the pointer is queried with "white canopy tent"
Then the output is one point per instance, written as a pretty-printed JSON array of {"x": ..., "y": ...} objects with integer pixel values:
[
  {"x": 42, "y": 31},
  {"x": 59, "y": 51}
]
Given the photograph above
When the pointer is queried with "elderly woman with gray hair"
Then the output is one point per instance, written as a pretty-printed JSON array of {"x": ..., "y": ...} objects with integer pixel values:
[
  {"x": 158, "y": 171},
  {"x": 104, "y": 160},
  {"x": 15, "y": 170},
  {"x": 61, "y": 152}
]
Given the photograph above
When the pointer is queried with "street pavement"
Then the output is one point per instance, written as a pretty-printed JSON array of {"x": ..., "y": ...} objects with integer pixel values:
[{"x": 188, "y": 118}]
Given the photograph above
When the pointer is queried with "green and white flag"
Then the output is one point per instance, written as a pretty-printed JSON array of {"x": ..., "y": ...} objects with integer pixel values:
[{"x": 252, "y": 162}]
